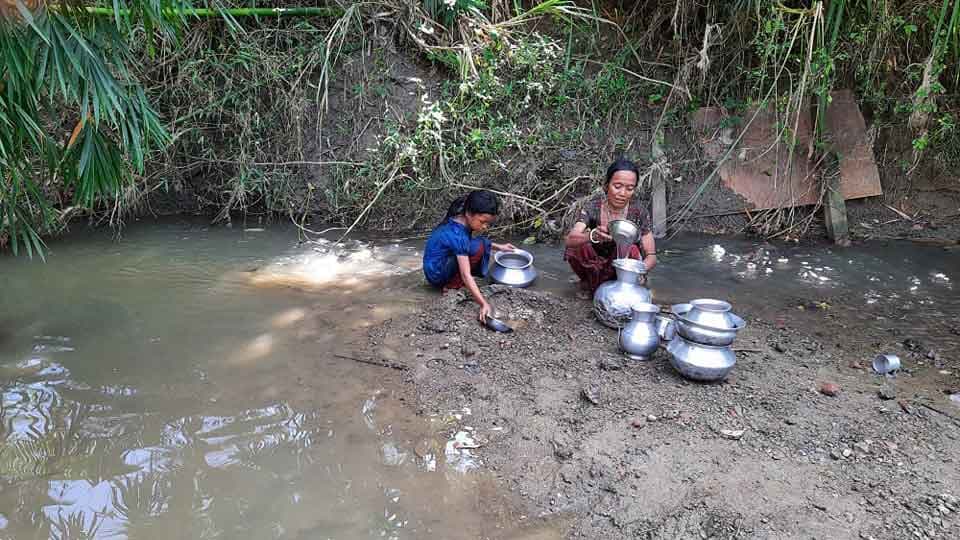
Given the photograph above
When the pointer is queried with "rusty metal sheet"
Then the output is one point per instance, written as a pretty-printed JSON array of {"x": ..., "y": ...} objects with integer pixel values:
[
  {"x": 767, "y": 175},
  {"x": 859, "y": 175},
  {"x": 764, "y": 171}
]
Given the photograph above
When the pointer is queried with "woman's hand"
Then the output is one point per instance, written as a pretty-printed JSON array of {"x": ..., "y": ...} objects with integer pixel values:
[
  {"x": 602, "y": 234},
  {"x": 504, "y": 247},
  {"x": 485, "y": 311}
]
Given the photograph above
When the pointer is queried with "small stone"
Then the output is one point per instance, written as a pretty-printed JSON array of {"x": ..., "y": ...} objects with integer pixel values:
[
  {"x": 732, "y": 434},
  {"x": 836, "y": 454},
  {"x": 637, "y": 423},
  {"x": 779, "y": 348},
  {"x": 611, "y": 364},
  {"x": 887, "y": 393},
  {"x": 437, "y": 326},
  {"x": 847, "y": 452},
  {"x": 829, "y": 389},
  {"x": 651, "y": 418},
  {"x": 943, "y": 509},
  {"x": 863, "y": 447}
]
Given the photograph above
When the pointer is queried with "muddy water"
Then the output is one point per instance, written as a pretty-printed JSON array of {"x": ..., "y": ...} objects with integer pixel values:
[
  {"x": 194, "y": 382},
  {"x": 184, "y": 382}
]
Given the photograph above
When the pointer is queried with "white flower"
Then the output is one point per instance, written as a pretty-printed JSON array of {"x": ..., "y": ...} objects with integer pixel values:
[
  {"x": 450, "y": 3},
  {"x": 426, "y": 29}
]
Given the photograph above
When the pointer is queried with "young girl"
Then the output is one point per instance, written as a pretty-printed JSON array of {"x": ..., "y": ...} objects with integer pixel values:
[{"x": 453, "y": 256}]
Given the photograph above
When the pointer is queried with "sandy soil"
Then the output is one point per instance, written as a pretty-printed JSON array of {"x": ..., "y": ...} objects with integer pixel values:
[{"x": 609, "y": 448}]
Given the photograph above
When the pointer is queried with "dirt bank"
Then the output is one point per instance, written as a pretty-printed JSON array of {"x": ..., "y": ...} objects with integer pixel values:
[{"x": 762, "y": 455}]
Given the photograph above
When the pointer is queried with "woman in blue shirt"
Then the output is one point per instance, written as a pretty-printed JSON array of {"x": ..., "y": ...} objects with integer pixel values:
[{"x": 453, "y": 256}]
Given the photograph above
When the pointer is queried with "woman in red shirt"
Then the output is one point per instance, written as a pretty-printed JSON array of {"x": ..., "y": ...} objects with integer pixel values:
[{"x": 589, "y": 247}]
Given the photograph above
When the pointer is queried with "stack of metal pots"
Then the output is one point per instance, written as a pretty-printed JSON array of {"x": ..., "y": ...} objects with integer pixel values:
[{"x": 701, "y": 348}]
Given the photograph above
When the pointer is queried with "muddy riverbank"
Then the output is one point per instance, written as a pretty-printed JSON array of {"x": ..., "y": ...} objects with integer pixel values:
[{"x": 764, "y": 454}]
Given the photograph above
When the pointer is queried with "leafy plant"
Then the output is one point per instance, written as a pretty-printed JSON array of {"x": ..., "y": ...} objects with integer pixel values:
[{"x": 65, "y": 71}]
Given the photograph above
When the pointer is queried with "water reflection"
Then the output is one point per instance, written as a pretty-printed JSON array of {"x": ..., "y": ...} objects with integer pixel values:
[{"x": 186, "y": 388}]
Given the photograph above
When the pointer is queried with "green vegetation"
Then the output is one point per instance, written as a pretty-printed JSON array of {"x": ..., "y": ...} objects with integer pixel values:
[{"x": 313, "y": 114}]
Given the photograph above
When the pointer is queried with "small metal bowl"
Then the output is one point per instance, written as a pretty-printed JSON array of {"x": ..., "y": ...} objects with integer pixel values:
[
  {"x": 497, "y": 325},
  {"x": 624, "y": 232}
]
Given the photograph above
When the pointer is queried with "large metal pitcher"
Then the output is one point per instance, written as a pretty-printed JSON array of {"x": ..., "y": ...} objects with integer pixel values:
[{"x": 614, "y": 300}]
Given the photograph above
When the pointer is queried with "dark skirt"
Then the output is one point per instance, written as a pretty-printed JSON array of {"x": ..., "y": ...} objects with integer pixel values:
[{"x": 453, "y": 269}]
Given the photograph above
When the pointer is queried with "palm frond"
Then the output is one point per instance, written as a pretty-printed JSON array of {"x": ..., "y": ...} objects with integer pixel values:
[{"x": 63, "y": 61}]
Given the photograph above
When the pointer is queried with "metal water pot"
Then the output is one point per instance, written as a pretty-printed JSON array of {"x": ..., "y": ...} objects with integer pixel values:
[
  {"x": 614, "y": 300},
  {"x": 700, "y": 362},
  {"x": 513, "y": 268},
  {"x": 640, "y": 338}
]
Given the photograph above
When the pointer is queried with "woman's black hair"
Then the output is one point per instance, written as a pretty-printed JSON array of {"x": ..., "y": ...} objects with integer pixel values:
[
  {"x": 621, "y": 164},
  {"x": 479, "y": 201}
]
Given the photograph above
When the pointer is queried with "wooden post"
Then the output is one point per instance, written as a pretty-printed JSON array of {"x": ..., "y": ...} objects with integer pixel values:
[
  {"x": 659, "y": 194},
  {"x": 835, "y": 212}
]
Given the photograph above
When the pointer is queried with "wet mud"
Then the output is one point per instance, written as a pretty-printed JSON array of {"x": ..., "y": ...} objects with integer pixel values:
[{"x": 798, "y": 441}]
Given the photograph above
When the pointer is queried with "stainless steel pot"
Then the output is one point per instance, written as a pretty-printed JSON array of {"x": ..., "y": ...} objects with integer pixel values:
[
  {"x": 706, "y": 335},
  {"x": 710, "y": 313},
  {"x": 700, "y": 362},
  {"x": 614, "y": 300},
  {"x": 639, "y": 338},
  {"x": 513, "y": 268},
  {"x": 691, "y": 327}
]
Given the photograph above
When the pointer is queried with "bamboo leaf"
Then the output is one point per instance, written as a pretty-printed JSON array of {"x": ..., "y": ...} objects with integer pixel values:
[{"x": 29, "y": 19}]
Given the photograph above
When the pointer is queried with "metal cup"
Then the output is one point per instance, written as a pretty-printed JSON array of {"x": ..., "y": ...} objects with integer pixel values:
[
  {"x": 886, "y": 363},
  {"x": 666, "y": 327}
]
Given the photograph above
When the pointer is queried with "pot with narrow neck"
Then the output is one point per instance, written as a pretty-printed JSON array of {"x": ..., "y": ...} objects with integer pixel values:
[
  {"x": 613, "y": 301},
  {"x": 639, "y": 339}
]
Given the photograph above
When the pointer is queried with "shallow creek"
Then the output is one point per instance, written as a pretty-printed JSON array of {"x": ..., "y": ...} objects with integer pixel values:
[{"x": 185, "y": 381}]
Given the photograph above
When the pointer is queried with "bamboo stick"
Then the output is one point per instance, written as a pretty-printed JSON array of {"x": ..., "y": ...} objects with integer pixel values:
[{"x": 233, "y": 12}]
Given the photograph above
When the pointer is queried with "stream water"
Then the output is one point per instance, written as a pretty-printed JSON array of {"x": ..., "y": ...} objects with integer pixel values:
[{"x": 193, "y": 382}]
